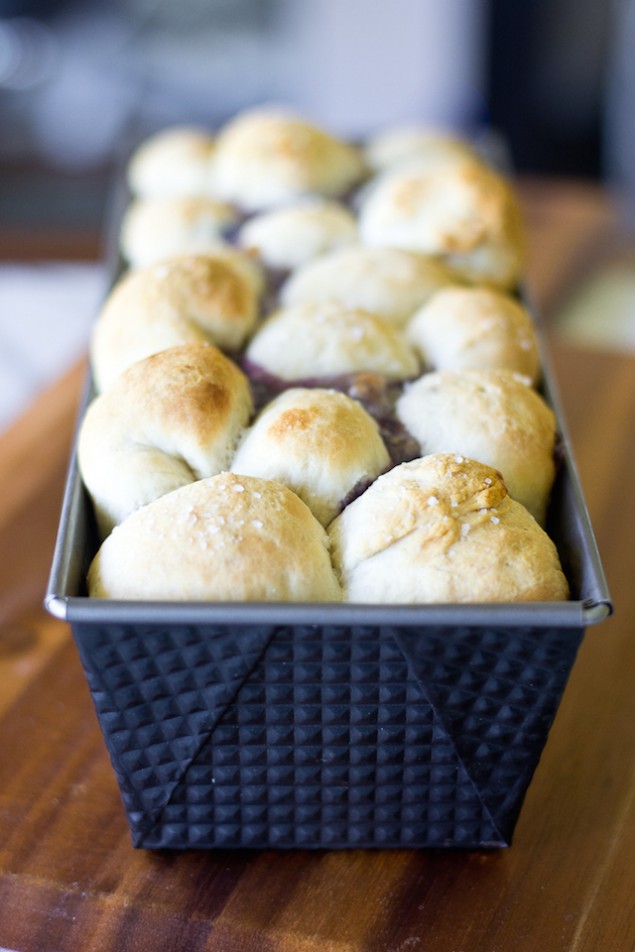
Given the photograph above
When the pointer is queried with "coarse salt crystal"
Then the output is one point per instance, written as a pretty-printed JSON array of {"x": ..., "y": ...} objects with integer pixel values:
[
  {"x": 238, "y": 488},
  {"x": 433, "y": 500},
  {"x": 495, "y": 520}
]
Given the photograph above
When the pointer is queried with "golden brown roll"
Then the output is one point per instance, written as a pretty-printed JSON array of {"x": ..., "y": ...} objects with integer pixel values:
[
  {"x": 387, "y": 281},
  {"x": 320, "y": 443},
  {"x": 289, "y": 236},
  {"x": 157, "y": 228},
  {"x": 173, "y": 161},
  {"x": 327, "y": 339},
  {"x": 185, "y": 299},
  {"x": 460, "y": 328},
  {"x": 493, "y": 416},
  {"x": 443, "y": 529},
  {"x": 267, "y": 157},
  {"x": 166, "y": 421},
  {"x": 465, "y": 213},
  {"x": 227, "y": 538}
]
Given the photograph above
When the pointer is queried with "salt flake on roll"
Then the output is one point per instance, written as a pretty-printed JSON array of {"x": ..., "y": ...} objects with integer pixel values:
[
  {"x": 443, "y": 529},
  {"x": 493, "y": 416},
  {"x": 327, "y": 339},
  {"x": 228, "y": 538}
]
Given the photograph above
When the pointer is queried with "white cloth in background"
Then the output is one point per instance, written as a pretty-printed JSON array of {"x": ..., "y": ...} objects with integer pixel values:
[{"x": 46, "y": 311}]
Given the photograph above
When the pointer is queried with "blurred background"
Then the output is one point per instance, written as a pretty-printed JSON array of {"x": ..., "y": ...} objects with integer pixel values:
[{"x": 81, "y": 81}]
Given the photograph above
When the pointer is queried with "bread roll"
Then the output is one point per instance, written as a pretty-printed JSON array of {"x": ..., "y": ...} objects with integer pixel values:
[
  {"x": 173, "y": 161},
  {"x": 319, "y": 443},
  {"x": 443, "y": 529},
  {"x": 465, "y": 213},
  {"x": 312, "y": 341},
  {"x": 157, "y": 228},
  {"x": 288, "y": 237},
  {"x": 424, "y": 147},
  {"x": 227, "y": 538},
  {"x": 186, "y": 299},
  {"x": 166, "y": 421},
  {"x": 492, "y": 416},
  {"x": 267, "y": 157},
  {"x": 387, "y": 281},
  {"x": 460, "y": 328}
]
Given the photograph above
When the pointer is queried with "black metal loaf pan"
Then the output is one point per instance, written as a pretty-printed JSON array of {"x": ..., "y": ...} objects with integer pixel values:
[{"x": 329, "y": 725}]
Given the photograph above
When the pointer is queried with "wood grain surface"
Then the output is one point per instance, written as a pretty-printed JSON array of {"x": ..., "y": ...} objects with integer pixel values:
[{"x": 69, "y": 879}]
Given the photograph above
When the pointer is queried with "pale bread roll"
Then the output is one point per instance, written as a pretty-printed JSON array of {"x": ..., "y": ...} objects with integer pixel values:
[
  {"x": 387, "y": 281},
  {"x": 460, "y": 328},
  {"x": 288, "y": 237},
  {"x": 174, "y": 161},
  {"x": 320, "y": 443},
  {"x": 185, "y": 299},
  {"x": 315, "y": 340},
  {"x": 466, "y": 213},
  {"x": 166, "y": 421},
  {"x": 268, "y": 157},
  {"x": 428, "y": 148},
  {"x": 157, "y": 228},
  {"x": 443, "y": 529},
  {"x": 493, "y": 416},
  {"x": 227, "y": 538}
]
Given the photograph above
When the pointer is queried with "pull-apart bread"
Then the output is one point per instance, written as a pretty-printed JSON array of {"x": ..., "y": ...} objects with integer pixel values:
[
  {"x": 389, "y": 282},
  {"x": 466, "y": 214},
  {"x": 267, "y": 157},
  {"x": 320, "y": 443},
  {"x": 327, "y": 339},
  {"x": 168, "y": 420},
  {"x": 489, "y": 415},
  {"x": 463, "y": 328},
  {"x": 157, "y": 228},
  {"x": 226, "y": 538},
  {"x": 287, "y": 237},
  {"x": 425, "y": 148},
  {"x": 173, "y": 162},
  {"x": 317, "y": 381},
  {"x": 443, "y": 529},
  {"x": 187, "y": 299}
]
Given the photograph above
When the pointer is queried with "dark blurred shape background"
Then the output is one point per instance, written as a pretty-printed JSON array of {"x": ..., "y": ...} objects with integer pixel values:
[{"x": 83, "y": 80}]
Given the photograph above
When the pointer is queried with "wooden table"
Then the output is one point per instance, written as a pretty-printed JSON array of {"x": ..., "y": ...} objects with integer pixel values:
[{"x": 69, "y": 879}]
